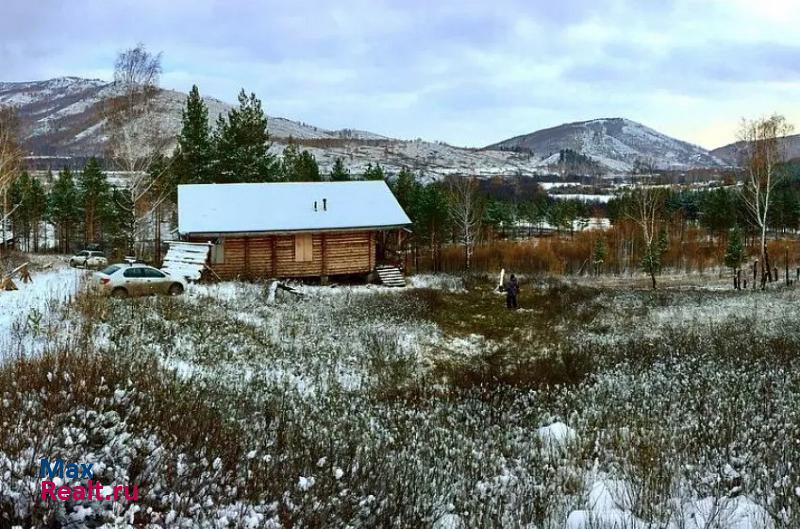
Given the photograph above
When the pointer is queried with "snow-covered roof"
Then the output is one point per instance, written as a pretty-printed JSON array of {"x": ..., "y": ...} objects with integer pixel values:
[{"x": 276, "y": 207}]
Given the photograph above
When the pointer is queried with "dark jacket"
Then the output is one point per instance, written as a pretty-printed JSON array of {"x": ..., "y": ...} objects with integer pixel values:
[{"x": 513, "y": 287}]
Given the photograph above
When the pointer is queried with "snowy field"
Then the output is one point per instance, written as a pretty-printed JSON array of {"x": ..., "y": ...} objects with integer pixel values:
[
  {"x": 22, "y": 311},
  {"x": 592, "y": 407}
]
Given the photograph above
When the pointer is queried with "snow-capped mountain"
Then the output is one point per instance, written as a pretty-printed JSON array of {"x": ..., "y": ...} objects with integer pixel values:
[
  {"x": 616, "y": 143},
  {"x": 64, "y": 117}
]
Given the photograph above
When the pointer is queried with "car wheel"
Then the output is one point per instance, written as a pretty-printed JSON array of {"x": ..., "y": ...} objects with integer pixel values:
[
  {"x": 119, "y": 293},
  {"x": 175, "y": 289}
]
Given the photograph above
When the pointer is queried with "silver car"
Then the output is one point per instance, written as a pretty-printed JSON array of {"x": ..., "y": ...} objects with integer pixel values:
[
  {"x": 88, "y": 259},
  {"x": 124, "y": 280}
]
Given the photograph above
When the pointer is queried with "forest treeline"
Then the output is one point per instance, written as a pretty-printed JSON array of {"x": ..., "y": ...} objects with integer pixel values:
[{"x": 459, "y": 223}]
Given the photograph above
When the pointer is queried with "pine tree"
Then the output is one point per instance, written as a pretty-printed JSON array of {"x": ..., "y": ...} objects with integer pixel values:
[
  {"x": 339, "y": 173},
  {"x": 735, "y": 254},
  {"x": 118, "y": 221},
  {"x": 599, "y": 253},
  {"x": 405, "y": 189},
  {"x": 94, "y": 192},
  {"x": 241, "y": 144},
  {"x": 18, "y": 198},
  {"x": 654, "y": 252},
  {"x": 36, "y": 203},
  {"x": 63, "y": 207},
  {"x": 374, "y": 172},
  {"x": 307, "y": 169},
  {"x": 299, "y": 166},
  {"x": 433, "y": 219},
  {"x": 192, "y": 156},
  {"x": 289, "y": 160},
  {"x": 663, "y": 244},
  {"x": 29, "y": 199}
]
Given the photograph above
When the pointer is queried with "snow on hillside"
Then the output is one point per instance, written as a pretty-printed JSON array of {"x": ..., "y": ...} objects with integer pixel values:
[
  {"x": 731, "y": 154},
  {"x": 64, "y": 117},
  {"x": 616, "y": 143}
]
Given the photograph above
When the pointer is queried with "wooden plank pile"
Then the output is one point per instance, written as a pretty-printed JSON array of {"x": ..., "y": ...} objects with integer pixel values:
[
  {"x": 186, "y": 259},
  {"x": 391, "y": 276}
]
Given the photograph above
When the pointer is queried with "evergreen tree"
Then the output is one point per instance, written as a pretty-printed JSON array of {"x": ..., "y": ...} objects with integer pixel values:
[
  {"x": 406, "y": 190},
  {"x": 735, "y": 253},
  {"x": 339, "y": 173},
  {"x": 30, "y": 201},
  {"x": 94, "y": 193},
  {"x": 192, "y": 157},
  {"x": 663, "y": 242},
  {"x": 499, "y": 215},
  {"x": 716, "y": 210},
  {"x": 63, "y": 208},
  {"x": 432, "y": 220},
  {"x": 37, "y": 208},
  {"x": 118, "y": 223},
  {"x": 599, "y": 253},
  {"x": 307, "y": 169},
  {"x": 241, "y": 144},
  {"x": 653, "y": 254},
  {"x": 289, "y": 160},
  {"x": 299, "y": 166},
  {"x": 374, "y": 172},
  {"x": 18, "y": 198}
]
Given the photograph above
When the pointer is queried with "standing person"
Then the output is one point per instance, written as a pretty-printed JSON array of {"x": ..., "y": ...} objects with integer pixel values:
[{"x": 512, "y": 291}]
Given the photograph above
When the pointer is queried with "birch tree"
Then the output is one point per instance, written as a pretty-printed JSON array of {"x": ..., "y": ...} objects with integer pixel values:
[
  {"x": 763, "y": 153},
  {"x": 10, "y": 160},
  {"x": 466, "y": 211},
  {"x": 646, "y": 209},
  {"x": 136, "y": 138}
]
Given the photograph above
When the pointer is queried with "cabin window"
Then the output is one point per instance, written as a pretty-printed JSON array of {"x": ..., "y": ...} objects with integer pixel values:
[
  {"x": 218, "y": 252},
  {"x": 303, "y": 247}
]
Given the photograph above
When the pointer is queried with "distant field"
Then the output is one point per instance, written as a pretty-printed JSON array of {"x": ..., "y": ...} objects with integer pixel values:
[{"x": 596, "y": 405}]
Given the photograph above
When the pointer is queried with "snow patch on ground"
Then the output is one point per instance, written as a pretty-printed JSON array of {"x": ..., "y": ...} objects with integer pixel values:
[
  {"x": 557, "y": 434},
  {"x": 35, "y": 301}
]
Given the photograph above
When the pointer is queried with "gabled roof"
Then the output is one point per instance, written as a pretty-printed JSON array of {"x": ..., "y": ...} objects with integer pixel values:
[{"x": 277, "y": 207}]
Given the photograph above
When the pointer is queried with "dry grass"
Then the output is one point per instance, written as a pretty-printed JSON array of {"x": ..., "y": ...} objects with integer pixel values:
[{"x": 690, "y": 250}]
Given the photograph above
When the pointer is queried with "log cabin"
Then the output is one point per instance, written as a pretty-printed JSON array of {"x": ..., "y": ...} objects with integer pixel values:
[{"x": 283, "y": 230}]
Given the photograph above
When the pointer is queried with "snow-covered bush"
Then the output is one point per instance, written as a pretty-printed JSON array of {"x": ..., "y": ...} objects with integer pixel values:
[{"x": 364, "y": 407}]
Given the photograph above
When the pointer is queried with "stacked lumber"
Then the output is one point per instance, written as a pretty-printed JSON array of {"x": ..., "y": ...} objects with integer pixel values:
[
  {"x": 186, "y": 259},
  {"x": 391, "y": 276}
]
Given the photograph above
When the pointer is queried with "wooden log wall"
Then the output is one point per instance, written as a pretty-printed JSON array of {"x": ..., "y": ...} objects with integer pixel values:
[{"x": 333, "y": 253}]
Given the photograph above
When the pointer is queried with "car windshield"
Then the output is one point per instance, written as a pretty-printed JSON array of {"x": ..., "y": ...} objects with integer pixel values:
[{"x": 109, "y": 270}]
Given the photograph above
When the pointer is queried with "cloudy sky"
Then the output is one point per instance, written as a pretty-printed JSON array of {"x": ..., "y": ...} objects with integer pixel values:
[{"x": 466, "y": 72}]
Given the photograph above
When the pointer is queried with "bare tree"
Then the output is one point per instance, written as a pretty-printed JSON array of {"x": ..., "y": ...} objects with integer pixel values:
[
  {"x": 763, "y": 152},
  {"x": 137, "y": 141},
  {"x": 10, "y": 158},
  {"x": 646, "y": 209},
  {"x": 466, "y": 211}
]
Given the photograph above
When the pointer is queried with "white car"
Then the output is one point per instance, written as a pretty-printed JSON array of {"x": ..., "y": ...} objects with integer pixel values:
[
  {"x": 123, "y": 280},
  {"x": 88, "y": 259}
]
